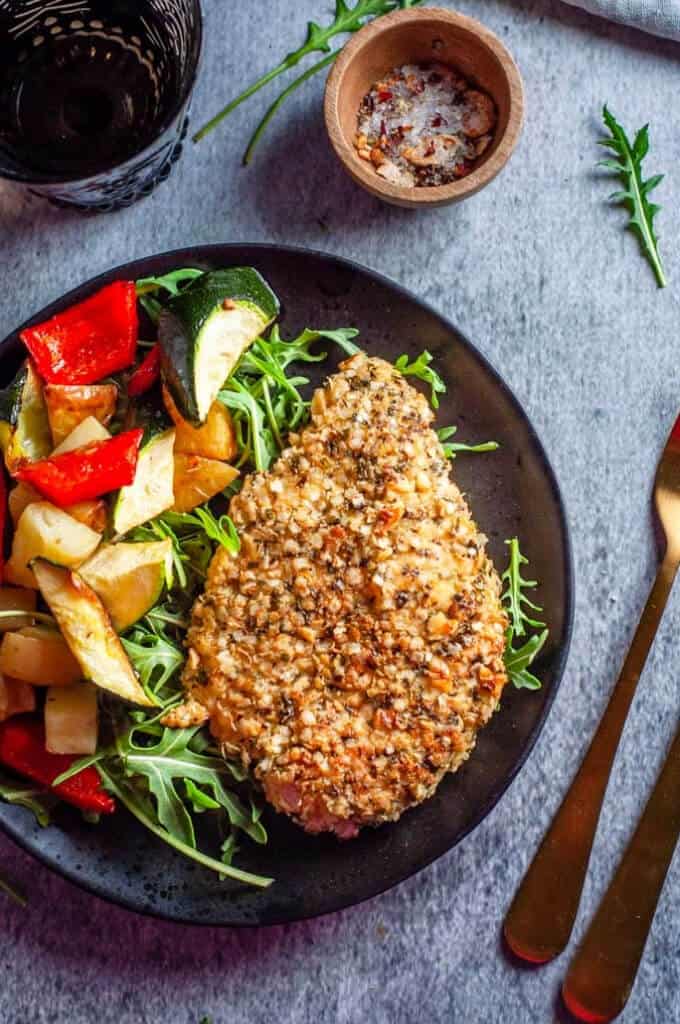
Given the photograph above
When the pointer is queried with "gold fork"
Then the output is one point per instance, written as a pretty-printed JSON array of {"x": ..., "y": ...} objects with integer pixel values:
[
  {"x": 601, "y": 975},
  {"x": 541, "y": 917}
]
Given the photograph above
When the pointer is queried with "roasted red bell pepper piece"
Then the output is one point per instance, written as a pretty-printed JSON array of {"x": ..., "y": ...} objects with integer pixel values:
[
  {"x": 85, "y": 473},
  {"x": 22, "y": 748},
  {"x": 89, "y": 341},
  {"x": 146, "y": 374}
]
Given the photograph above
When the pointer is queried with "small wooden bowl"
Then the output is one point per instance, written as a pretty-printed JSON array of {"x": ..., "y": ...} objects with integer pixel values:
[{"x": 421, "y": 35}]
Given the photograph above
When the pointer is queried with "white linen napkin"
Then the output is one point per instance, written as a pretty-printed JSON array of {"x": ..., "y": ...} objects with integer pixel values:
[{"x": 660, "y": 17}]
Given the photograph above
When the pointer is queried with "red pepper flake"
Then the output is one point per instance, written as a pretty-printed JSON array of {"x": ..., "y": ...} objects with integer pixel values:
[
  {"x": 463, "y": 168},
  {"x": 22, "y": 748},
  {"x": 437, "y": 121},
  {"x": 384, "y": 95},
  {"x": 85, "y": 473},
  {"x": 91, "y": 340}
]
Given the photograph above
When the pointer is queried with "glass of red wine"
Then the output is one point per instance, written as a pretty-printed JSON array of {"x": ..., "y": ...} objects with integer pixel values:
[{"x": 94, "y": 95}]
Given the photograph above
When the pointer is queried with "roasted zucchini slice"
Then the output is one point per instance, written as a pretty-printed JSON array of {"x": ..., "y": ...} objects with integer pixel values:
[
  {"x": 151, "y": 492},
  {"x": 204, "y": 331},
  {"x": 24, "y": 424}
]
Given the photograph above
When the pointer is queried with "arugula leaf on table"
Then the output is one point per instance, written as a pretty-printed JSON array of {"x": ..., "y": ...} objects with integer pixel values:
[
  {"x": 635, "y": 193},
  {"x": 516, "y": 602},
  {"x": 453, "y": 448},
  {"x": 347, "y": 19},
  {"x": 421, "y": 369}
]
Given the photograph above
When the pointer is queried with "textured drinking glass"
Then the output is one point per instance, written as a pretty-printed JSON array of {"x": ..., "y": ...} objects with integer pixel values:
[{"x": 94, "y": 95}]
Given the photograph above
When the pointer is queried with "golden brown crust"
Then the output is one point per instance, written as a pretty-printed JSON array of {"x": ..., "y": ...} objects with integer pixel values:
[{"x": 351, "y": 652}]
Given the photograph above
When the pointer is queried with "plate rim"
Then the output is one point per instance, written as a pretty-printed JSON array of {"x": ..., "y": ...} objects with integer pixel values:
[{"x": 204, "y": 252}]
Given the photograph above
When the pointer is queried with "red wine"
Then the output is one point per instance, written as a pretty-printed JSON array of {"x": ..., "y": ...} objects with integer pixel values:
[{"x": 85, "y": 99}]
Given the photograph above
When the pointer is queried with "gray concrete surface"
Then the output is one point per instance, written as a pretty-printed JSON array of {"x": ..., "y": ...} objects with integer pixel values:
[{"x": 539, "y": 273}]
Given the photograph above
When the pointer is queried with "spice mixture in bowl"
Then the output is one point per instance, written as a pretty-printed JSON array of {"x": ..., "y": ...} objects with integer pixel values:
[{"x": 424, "y": 124}]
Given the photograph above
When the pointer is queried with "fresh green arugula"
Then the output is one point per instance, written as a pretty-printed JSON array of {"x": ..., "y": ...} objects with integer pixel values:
[
  {"x": 265, "y": 403},
  {"x": 634, "y": 195},
  {"x": 422, "y": 369},
  {"x": 155, "y": 658},
  {"x": 519, "y": 606},
  {"x": 453, "y": 448},
  {"x": 347, "y": 19},
  {"x": 172, "y": 283},
  {"x": 27, "y": 794}
]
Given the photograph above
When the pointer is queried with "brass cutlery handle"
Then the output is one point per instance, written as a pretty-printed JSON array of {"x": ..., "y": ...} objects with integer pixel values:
[
  {"x": 602, "y": 973},
  {"x": 542, "y": 914}
]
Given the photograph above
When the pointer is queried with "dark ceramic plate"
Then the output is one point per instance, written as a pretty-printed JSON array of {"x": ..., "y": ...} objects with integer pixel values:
[{"x": 512, "y": 491}]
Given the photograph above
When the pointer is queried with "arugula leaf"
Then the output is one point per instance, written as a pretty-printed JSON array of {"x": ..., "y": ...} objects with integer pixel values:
[
  {"x": 515, "y": 598},
  {"x": 635, "y": 193},
  {"x": 221, "y": 530},
  {"x": 200, "y": 801},
  {"x": 154, "y": 658},
  {"x": 347, "y": 19},
  {"x": 517, "y": 662},
  {"x": 142, "y": 808},
  {"x": 421, "y": 369},
  {"x": 171, "y": 283},
  {"x": 27, "y": 794},
  {"x": 516, "y": 601},
  {"x": 265, "y": 403},
  {"x": 171, "y": 759},
  {"x": 453, "y": 448}
]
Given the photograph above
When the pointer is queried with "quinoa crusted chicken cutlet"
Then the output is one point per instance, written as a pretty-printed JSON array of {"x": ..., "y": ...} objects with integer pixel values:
[{"x": 351, "y": 651}]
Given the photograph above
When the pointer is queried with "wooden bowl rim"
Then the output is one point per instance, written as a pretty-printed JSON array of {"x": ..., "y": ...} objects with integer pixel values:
[{"x": 437, "y": 194}]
